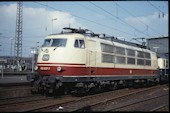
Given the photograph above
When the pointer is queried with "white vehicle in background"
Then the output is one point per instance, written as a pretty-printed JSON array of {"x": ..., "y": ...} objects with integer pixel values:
[{"x": 163, "y": 64}]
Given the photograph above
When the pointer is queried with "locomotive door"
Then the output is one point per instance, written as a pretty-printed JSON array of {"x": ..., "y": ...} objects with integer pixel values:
[{"x": 91, "y": 57}]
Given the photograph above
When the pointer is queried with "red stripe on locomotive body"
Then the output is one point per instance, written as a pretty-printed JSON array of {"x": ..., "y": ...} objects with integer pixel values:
[
  {"x": 84, "y": 71},
  {"x": 65, "y": 70},
  {"x": 59, "y": 63}
]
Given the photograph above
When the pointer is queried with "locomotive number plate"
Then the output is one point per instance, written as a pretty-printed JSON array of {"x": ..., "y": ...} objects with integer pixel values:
[{"x": 45, "y": 68}]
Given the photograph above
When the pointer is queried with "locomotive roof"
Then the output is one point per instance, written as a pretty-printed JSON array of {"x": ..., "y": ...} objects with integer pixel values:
[{"x": 80, "y": 31}]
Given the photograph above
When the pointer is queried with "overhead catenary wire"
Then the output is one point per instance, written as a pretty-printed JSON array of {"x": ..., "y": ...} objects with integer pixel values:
[
  {"x": 118, "y": 18},
  {"x": 139, "y": 19},
  {"x": 106, "y": 26},
  {"x": 155, "y": 6},
  {"x": 100, "y": 23},
  {"x": 102, "y": 14}
]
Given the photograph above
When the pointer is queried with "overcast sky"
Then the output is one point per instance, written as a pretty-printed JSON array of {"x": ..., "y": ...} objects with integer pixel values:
[{"x": 123, "y": 19}]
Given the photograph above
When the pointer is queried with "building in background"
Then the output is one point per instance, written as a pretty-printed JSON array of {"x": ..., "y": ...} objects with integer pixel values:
[
  {"x": 10, "y": 66},
  {"x": 159, "y": 45}
]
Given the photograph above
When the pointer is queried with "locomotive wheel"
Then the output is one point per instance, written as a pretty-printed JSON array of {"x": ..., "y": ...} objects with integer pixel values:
[{"x": 49, "y": 92}]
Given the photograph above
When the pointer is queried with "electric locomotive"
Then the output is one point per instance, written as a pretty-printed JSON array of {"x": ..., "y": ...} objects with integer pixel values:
[{"x": 80, "y": 58}]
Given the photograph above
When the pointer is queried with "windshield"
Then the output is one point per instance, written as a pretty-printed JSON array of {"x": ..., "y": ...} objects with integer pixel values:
[
  {"x": 46, "y": 43},
  {"x": 54, "y": 43},
  {"x": 59, "y": 42}
]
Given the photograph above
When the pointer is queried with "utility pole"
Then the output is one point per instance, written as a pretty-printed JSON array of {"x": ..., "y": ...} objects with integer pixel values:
[
  {"x": 52, "y": 19},
  {"x": 18, "y": 34}
]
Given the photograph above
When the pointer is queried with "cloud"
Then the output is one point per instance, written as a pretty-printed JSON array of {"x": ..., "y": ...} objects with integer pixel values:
[
  {"x": 9, "y": 10},
  {"x": 42, "y": 18},
  {"x": 35, "y": 22},
  {"x": 64, "y": 19},
  {"x": 8, "y": 15}
]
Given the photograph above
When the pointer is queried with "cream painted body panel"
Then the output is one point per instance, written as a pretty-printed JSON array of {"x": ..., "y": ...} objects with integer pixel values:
[
  {"x": 91, "y": 55},
  {"x": 98, "y": 52},
  {"x": 68, "y": 54}
]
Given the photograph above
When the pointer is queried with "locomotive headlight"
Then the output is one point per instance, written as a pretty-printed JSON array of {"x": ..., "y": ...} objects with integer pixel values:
[
  {"x": 58, "y": 69},
  {"x": 45, "y": 57},
  {"x": 36, "y": 68}
]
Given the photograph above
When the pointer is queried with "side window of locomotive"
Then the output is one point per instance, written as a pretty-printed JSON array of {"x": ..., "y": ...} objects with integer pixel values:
[
  {"x": 130, "y": 60},
  {"x": 147, "y": 59},
  {"x": 120, "y": 50},
  {"x": 140, "y": 61},
  {"x": 59, "y": 43},
  {"x": 76, "y": 44},
  {"x": 120, "y": 60},
  {"x": 46, "y": 43},
  {"x": 107, "y": 48},
  {"x": 140, "y": 58},
  {"x": 148, "y": 62},
  {"x": 79, "y": 44},
  {"x": 140, "y": 54},
  {"x": 130, "y": 52},
  {"x": 107, "y": 58},
  {"x": 130, "y": 56},
  {"x": 82, "y": 45},
  {"x": 120, "y": 57}
]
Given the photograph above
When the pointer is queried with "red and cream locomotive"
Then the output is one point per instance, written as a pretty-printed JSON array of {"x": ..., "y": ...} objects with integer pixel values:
[{"x": 80, "y": 58}]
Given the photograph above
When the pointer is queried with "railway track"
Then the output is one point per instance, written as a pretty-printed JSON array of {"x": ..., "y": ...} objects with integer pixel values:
[
  {"x": 115, "y": 100},
  {"x": 132, "y": 101},
  {"x": 164, "y": 107},
  {"x": 34, "y": 104},
  {"x": 15, "y": 91},
  {"x": 89, "y": 103},
  {"x": 108, "y": 104},
  {"x": 139, "y": 105},
  {"x": 42, "y": 104},
  {"x": 19, "y": 100},
  {"x": 6, "y": 85}
]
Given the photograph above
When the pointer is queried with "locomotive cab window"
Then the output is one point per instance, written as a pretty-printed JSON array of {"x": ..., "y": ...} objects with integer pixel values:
[
  {"x": 54, "y": 43},
  {"x": 46, "y": 43},
  {"x": 79, "y": 44},
  {"x": 59, "y": 43}
]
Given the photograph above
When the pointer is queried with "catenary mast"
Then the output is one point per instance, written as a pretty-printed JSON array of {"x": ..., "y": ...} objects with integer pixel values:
[{"x": 18, "y": 34}]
